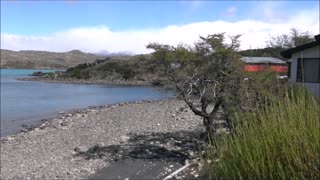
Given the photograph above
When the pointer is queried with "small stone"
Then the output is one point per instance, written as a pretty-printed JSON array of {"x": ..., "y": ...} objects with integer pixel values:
[
  {"x": 23, "y": 130},
  {"x": 173, "y": 115},
  {"x": 69, "y": 115},
  {"x": 62, "y": 117},
  {"x": 171, "y": 166},
  {"x": 191, "y": 153},
  {"x": 158, "y": 124},
  {"x": 42, "y": 126},
  {"x": 64, "y": 123},
  {"x": 101, "y": 144},
  {"x": 81, "y": 149},
  {"x": 124, "y": 138}
]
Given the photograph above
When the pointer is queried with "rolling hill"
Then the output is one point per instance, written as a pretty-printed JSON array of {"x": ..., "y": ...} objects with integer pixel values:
[{"x": 44, "y": 59}]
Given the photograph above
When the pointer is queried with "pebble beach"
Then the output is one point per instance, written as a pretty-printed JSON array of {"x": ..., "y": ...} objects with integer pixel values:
[{"x": 60, "y": 147}]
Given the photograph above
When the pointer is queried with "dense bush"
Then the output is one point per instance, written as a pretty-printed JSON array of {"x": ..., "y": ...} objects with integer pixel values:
[
  {"x": 125, "y": 70},
  {"x": 280, "y": 141}
]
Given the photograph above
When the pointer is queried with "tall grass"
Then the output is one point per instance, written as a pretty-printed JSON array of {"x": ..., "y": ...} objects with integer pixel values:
[{"x": 280, "y": 141}]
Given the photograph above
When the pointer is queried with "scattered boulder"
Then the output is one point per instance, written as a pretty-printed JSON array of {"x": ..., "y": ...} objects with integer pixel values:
[
  {"x": 81, "y": 149},
  {"x": 43, "y": 126},
  {"x": 78, "y": 115},
  {"x": 3, "y": 140},
  {"x": 64, "y": 123},
  {"x": 124, "y": 138},
  {"x": 24, "y": 130},
  {"x": 101, "y": 144},
  {"x": 191, "y": 153}
]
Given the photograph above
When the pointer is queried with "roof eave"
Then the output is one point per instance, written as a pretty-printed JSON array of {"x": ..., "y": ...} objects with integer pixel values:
[{"x": 288, "y": 53}]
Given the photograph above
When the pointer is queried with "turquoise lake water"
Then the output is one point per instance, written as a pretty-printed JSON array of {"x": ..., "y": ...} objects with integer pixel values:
[{"x": 27, "y": 102}]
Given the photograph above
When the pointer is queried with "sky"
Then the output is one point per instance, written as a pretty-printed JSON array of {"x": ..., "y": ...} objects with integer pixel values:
[{"x": 117, "y": 26}]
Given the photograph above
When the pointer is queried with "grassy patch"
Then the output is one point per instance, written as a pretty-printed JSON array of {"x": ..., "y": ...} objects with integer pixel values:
[{"x": 280, "y": 141}]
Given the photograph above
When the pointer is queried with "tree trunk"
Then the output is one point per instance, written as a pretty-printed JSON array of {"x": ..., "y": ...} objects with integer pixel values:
[{"x": 208, "y": 123}]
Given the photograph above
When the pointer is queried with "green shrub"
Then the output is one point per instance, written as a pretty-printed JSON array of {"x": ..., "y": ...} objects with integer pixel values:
[
  {"x": 280, "y": 141},
  {"x": 79, "y": 74}
]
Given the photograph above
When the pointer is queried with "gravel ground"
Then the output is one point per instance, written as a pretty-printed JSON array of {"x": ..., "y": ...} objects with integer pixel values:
[{"x": 68, "y": 146}]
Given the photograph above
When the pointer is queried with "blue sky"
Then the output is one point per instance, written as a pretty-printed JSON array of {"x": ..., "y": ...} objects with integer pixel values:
[{"x": 25, "y": 23}]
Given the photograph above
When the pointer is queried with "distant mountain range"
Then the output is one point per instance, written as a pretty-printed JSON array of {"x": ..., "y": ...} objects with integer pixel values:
[
  {"x": 30, "y": 59},
  {"x": 44, "y": 59}
]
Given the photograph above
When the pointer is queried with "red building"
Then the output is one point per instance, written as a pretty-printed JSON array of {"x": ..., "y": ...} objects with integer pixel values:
[{"x": 254, "y": 64}]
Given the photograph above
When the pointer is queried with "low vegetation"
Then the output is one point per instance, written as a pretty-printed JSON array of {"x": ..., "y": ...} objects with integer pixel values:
[
  {"x": 280, "y": 141},
  {"x": 135, "y": 68}
]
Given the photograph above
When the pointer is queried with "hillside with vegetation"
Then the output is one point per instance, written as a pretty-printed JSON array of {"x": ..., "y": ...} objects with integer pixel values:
[
  {"x": 44, "y": 59},
  {"x": 134, "y": 70}
]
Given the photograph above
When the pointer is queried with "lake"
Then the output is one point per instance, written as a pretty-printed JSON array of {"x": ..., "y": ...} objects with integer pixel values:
[{"x": 27, "y": 102}]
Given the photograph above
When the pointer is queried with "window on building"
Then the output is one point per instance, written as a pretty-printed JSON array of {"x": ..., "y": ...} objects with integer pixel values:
[
  {"x": 308, "y": 70},
  {"x": 289, "y": 69}
]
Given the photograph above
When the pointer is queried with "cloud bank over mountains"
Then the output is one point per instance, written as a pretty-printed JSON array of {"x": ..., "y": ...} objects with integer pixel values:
[{"x": 101, "y": 38}]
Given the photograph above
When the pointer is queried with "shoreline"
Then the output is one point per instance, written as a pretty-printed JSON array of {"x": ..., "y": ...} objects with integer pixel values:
[
  {"x": 62, "y": 115},
  {"x": 88, "y": 82},
  {"x": 55, "y": 148}
]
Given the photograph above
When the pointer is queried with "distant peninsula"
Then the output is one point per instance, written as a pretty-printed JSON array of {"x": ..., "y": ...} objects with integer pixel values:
[{"x": 30, "y": 59}]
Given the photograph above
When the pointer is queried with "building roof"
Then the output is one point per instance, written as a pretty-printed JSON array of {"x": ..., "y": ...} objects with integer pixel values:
[
  {"x": 288, "y": 53},
  {"x": 262, "y": 60}
]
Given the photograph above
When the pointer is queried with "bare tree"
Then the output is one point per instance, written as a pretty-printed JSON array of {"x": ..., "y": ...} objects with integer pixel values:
[
  {"x": 201, "y": 75},
  {"x": 293, "y": 39}
]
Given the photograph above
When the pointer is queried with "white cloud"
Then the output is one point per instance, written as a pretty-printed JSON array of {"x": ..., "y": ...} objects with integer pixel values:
[{"x": 94, "y": 39}]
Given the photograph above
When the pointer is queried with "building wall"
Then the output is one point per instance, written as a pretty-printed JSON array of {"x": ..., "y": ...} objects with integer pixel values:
[{"x": 307, "y": 53}]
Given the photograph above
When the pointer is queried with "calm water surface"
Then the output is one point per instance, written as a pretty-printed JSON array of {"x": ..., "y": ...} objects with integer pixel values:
[{"x": 27, "y": 102}]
